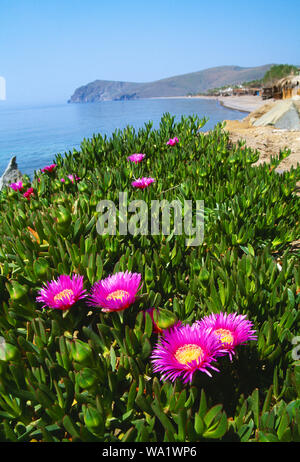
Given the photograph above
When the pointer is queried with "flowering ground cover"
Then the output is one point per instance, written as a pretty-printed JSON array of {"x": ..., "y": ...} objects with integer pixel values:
[{"x": 137, "y": 336}]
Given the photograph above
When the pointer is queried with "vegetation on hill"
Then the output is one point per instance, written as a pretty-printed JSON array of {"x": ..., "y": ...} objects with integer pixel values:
[
  {"x": 87, "y": 375},
  {"x": 273, "y": 74},
  {"x": 277, "y": 72}
]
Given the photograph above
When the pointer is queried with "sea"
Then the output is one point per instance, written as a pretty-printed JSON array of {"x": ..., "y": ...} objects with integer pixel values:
[{"x": 36, "y": 133}]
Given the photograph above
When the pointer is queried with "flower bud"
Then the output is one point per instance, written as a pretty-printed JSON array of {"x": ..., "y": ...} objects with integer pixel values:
[
  {"x": 93, "y": 420},
  {"x": 86, "y": 378},
  {"x": 8, "y": 352},
  {"x": 162, "y": 319},
  {"x": 81, "y": 352},
  {"x": 17, "y": 291}
]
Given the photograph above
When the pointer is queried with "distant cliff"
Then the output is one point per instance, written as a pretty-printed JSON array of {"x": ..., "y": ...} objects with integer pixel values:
[{"x": 182, "y": 85}]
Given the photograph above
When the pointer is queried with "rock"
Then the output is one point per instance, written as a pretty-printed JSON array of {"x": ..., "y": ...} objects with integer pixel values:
[
  {"x": 290, "y": 120},
  {"x": 11, "y": 175},
  {"x": 284, "y": 114}
]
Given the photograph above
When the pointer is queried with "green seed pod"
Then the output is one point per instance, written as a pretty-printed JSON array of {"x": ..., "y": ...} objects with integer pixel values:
[
  {"x": 204, "y": 275},
  {"x": 12, "y": 193},
  {"x": 41, "y": 267},
  {"x": 81, "y": 352},
  {"x": 93, "y": 420},
  {"x": 164, "y": 319},
  {"x": 63, "y": 216},
  {"x": 57, "y": 185},
  {"x": 17, "y": 291},
  {"x": 82, "y": 186},
  {"x": 86, "y": 378},
  {"x": 8, "y": 352},
  {"x": 94, "y": 201}
]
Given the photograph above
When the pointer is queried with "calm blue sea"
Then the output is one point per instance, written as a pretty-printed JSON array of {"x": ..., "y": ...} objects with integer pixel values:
[{"x": 36, "y": 133}]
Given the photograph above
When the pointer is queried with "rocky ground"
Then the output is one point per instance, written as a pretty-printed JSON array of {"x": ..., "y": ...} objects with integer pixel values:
[{"x": 268, "y": 140}]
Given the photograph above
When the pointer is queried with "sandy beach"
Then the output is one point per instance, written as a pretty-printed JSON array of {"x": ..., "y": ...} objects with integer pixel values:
[
  {"x": 267, "y": 140},
  {"x": 243, "y": 103}
]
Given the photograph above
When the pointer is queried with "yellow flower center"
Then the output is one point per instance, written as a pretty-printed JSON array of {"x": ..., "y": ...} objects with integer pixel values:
[
  {"x": 64, "y": 293},
  {"x": 188, "y": 353},
  {"x": 225, "y": 336},
  {"x": 117, "y": 295}
]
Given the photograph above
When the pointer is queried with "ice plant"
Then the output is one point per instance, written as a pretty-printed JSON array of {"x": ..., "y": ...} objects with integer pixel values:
[
  {"x": 173, "y": 141},
  {"x": 49, "y": 168},
  {"x": 136, "y": 158},
  {"x": 156, "y": 328},
  {"x": 142, "y": 183},
  {"x": 62, "y": 293},
  {"x": 28, "y": 193},
  {"x": 162, "y": 319},
  {"x": 17, "y": 186},
  {"x": 115, "y": 293},
  {"x": 72, "y": 178},
  {"x": 231, "y": 329},
  {"x": 182, "y": 350}
]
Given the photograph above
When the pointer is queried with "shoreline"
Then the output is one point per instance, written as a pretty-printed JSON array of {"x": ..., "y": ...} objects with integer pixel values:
[{"x": 243, "y": 103}]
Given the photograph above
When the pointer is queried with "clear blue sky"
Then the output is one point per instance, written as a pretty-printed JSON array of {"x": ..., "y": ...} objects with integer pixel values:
[{"x": 49, "y": 48}]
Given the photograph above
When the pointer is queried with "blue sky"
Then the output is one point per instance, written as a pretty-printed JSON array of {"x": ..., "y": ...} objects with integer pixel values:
[{"x": 49, "y": 48}]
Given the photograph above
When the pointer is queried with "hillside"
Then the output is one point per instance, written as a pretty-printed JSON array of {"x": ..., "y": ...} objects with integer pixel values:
[{"x": 182, "y": 85}]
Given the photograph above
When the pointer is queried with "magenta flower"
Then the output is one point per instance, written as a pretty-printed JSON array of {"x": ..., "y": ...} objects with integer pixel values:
[
  {"x": 17, "y": 186},
  {"x": 232, "y": 329},
  {"x": 29, "y": 193},
  {"x": 173, "y": 141},
  {"x": 49, "y": 168},
  {"x": 142, "y": 183},
  {"x": 136, "y": 158},
  {"x": 115, "y": 293},
  {"x": 72, "y": 178},
  {"x": 62, "y": 293},
  {"x": 182, "y": 350}
]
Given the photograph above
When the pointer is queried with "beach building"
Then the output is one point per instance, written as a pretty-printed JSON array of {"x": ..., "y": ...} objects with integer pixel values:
[{"x": 284, "y": 88}]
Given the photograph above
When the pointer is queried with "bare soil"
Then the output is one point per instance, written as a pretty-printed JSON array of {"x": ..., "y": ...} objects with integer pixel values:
[{"x": 267, "y": 140}]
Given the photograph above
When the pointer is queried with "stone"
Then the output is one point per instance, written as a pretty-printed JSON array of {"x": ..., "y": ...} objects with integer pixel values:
[
  {"x": 284, "y": 115},
  {"x": 11, "y": 175}
]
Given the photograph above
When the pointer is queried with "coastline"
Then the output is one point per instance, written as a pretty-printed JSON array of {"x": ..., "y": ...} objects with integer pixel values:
[{"x": 243, "y": 103}]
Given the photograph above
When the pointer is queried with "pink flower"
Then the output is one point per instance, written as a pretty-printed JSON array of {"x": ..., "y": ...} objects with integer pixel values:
[
  {"x": 28, "y": 193},
  {"x": 49, "y": 168},
  {"x": 173, "y": 141},
  {"x": 72, "y": 178},
  {"x": 182, "y": 350},
  {"x": 142, "y": 183},
  {"x": 115, "y": 293},
  {"x": 62, "y": 293},
  {"x": 136, "y": 158},
  {"x": 231, "y": 329},
  {"x": 16, "y": 186}
]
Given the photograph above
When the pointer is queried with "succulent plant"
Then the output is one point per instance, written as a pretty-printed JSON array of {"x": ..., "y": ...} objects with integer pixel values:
[{"x": 83, "y": 374}]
